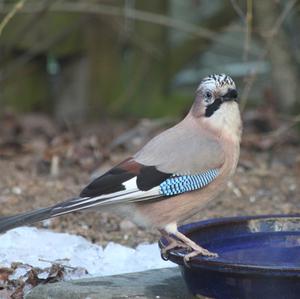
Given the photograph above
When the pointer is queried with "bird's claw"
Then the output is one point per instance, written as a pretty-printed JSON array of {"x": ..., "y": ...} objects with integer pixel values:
[
  {"x": 174, "y": 243},
  {"x": 192, "y": 249},
  {"x": 202, "y": 251},
  {"x": 164, "y": 254}
]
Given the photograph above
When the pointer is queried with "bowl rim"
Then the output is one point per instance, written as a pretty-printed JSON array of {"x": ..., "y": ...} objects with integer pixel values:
[{"x": 223, "y": 266}]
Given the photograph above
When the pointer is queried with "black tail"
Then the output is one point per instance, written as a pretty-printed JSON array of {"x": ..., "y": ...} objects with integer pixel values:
[
  {"x": 72, "y": 205},
  {"x": 10, "y": 222}
]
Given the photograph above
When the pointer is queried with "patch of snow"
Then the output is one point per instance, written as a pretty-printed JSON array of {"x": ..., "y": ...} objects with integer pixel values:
[
  {"x": 21, "y": 271},
  {"x": 43, "y": 275},
  {"x": 39, "y": 247}
]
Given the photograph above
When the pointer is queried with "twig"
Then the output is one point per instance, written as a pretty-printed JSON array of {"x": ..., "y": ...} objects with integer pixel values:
[
  {"x": 238, "y": 10},
  {"x": 58, "y": 262},
  {"x": 54, "y": 169},
  {"x": 249, "y": 17},
  {"x": 276, "y": 137},
  {"x": 282, "y": 17},
  {"x": 250, "y": 79},
  {"x": 130, "y": 13},
  {"x": 283, "y": 129},
  {"x": 11, "y": 14}
]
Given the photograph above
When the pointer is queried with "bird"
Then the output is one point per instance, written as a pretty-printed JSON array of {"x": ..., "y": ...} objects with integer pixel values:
[{"x": 172, "y": 176}]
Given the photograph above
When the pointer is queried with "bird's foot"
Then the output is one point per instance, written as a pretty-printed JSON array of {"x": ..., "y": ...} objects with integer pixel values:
[
  {"x": 191, "y": 247},
  {"x": 198, "y": 250},
  {"x": 179, "y": 240},
  {"x": 173, "y": 243}
]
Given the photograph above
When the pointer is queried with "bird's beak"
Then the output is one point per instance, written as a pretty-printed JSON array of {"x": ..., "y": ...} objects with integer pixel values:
[{"x": 231, "y": 95}]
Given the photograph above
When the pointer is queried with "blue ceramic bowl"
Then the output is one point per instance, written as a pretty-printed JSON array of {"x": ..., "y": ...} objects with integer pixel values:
[{"x": 259, "y": 257}]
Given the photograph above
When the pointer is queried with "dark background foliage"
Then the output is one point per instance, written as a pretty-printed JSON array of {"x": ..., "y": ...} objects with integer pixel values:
[{"x": 82, "y": 60}]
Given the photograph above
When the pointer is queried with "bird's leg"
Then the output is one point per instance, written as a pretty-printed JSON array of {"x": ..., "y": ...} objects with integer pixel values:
[
  {"x": 196, "y": 249},
  {"x": 177, "y": 239},
  {"x": 172, "y": 243}
]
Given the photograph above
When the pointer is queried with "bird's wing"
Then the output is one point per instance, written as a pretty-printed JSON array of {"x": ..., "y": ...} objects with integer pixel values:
[
  {"x": 123, "y": 175},
  {"x": 127, "y": 182}
]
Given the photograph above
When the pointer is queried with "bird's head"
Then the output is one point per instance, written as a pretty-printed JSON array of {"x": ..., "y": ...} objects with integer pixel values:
[
  {"x": 212, "y": 93},
  {"x": 216, "y": 105}
]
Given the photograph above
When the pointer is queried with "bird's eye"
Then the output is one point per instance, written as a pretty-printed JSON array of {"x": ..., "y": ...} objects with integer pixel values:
[{"x": 208, "y": 95}]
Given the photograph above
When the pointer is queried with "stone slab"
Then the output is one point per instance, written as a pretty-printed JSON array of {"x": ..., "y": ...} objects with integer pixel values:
[{"x": 155, "y": 284}]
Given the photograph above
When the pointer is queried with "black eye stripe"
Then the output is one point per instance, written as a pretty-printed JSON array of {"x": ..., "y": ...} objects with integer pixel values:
[{"x": 210, "y": 109}]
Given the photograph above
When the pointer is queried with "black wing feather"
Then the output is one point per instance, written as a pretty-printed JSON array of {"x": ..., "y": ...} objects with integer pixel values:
[
  {"x": 112, "y": 181},
  {"x": 109, "y": 182},
  {"x": 150, "y": 177}
]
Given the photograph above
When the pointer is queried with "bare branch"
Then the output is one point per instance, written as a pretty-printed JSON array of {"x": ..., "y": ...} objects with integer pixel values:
[
  {"x": 238, "y": 10},
  {"x": 249, "y": 18},
  {"x": 11, "y": 14},
  {"x": 130, "y": 13},
  {"x": 282, "y": 17}
]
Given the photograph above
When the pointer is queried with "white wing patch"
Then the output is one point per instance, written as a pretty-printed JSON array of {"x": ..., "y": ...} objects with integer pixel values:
[{"x": 130, "y": 184}]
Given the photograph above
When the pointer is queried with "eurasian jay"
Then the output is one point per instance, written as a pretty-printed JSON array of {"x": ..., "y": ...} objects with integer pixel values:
[{"x": 173, "y": 176}]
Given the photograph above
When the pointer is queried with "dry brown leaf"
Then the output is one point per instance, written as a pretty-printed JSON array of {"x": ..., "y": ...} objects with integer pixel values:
[{"x": 4, "y": 273}]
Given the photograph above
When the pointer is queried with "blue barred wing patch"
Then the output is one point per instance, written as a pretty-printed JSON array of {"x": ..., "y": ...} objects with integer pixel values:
[{"x": 185, "y": 183}]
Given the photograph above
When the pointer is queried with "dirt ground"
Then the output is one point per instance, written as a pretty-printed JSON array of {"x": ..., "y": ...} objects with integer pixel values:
[{"x": 41, "y": 165}]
